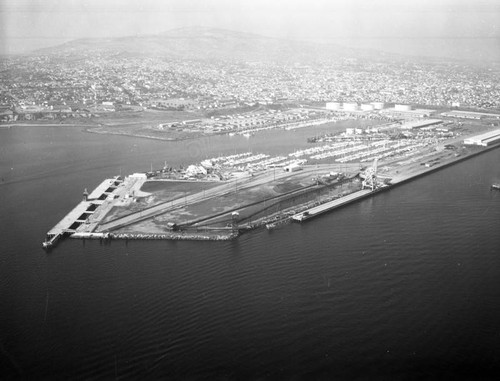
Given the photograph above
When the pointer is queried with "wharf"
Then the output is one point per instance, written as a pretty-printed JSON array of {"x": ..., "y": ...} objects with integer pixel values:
[
  {"x": 65, "y": 225},
  {"x": 84, "y": 217},
  {"x": 103, "y": 189},
  {"x": 327, "y": 206},
  {"x": 396, "y": 180}
]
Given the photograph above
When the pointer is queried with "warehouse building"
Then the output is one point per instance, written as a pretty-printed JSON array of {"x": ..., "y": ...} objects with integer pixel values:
[
  {"x": 486, "y": 139},
  {"x": 421, "y": 123},
  {"x": 470, "y": 115}
]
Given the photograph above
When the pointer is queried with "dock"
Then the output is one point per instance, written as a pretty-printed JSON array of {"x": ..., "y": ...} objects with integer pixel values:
[
  {"x": 71, "y": 220},
  {"x": 79, "y": 219},
  {"x": 327, "y": 206}
]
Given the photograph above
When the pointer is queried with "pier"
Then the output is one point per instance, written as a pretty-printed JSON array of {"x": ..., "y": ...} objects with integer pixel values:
[
  {"x": 80, "y": 217},
  {"x": 90, "y": 219},
  {"x": 327, "y": 206}
]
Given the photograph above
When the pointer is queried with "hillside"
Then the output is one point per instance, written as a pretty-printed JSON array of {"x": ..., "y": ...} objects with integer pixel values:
[{"x": 203, "y": 43}]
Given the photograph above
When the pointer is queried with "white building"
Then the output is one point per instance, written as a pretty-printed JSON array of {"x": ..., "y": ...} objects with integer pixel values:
[
  {"x": 195, "y": 170},
  {"x": 486, "y": 139},
  {"x": 292, "y": 167}
]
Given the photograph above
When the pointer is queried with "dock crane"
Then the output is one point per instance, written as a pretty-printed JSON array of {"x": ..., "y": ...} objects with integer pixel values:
[{"x": 370, "y": 176}]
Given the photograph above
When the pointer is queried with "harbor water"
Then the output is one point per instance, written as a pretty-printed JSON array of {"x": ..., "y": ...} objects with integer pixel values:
[{"x": 403, "y": 285}]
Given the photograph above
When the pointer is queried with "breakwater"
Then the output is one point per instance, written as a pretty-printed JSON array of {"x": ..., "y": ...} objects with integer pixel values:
[{"x": 166, "y": 236}]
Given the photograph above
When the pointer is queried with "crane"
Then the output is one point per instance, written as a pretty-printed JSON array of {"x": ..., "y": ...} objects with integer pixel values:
[{"x": 370, "y": 176}]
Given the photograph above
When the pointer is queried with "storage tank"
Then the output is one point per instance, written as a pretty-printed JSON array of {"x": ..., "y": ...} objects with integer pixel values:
[
  {"x": 378, "y": 105},
  {"x": 350, "y": 106},
  {"x": 332, "y": 105},
  {"x": 402, "y": 107}
]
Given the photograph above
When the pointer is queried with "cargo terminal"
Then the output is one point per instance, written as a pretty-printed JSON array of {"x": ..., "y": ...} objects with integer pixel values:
[{"x": 219, "y": 197}]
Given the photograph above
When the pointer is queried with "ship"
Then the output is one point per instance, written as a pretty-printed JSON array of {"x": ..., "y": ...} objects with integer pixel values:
[{"x": 495, "y": 186}]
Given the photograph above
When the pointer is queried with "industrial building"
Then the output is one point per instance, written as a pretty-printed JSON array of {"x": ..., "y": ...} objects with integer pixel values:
[
  {"x": 486, "y": 139},
  {"x": 406, "y": 111},
  {"x": 420, "y": 123},
  {"x": 352, "y": 106},
  {"x": 470, "y": 115}
]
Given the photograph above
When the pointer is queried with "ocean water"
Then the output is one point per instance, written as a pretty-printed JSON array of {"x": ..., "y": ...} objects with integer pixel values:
[{"x": 404, "y": 285}]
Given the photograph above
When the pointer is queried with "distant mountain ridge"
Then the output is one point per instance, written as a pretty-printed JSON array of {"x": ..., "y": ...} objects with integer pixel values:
[{"x": 206, "y": 43}]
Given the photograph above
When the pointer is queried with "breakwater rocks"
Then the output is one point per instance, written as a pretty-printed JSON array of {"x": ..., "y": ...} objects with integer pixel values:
[{"x": 175, "y": 236}]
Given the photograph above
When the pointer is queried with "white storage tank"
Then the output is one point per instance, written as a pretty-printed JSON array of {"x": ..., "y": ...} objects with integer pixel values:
[
  {"x": 378, "y": 105},
  {"x": 333, "y": 105},
  {"x": 351, "y": 106},
  {"x": 402, "y": 107}
]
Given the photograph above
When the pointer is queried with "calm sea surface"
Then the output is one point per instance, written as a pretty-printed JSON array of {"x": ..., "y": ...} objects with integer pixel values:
[{"x": 405, "y": 285}]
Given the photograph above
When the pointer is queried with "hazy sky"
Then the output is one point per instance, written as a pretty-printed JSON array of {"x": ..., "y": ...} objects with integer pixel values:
[{"x": 29, "y": 24}]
